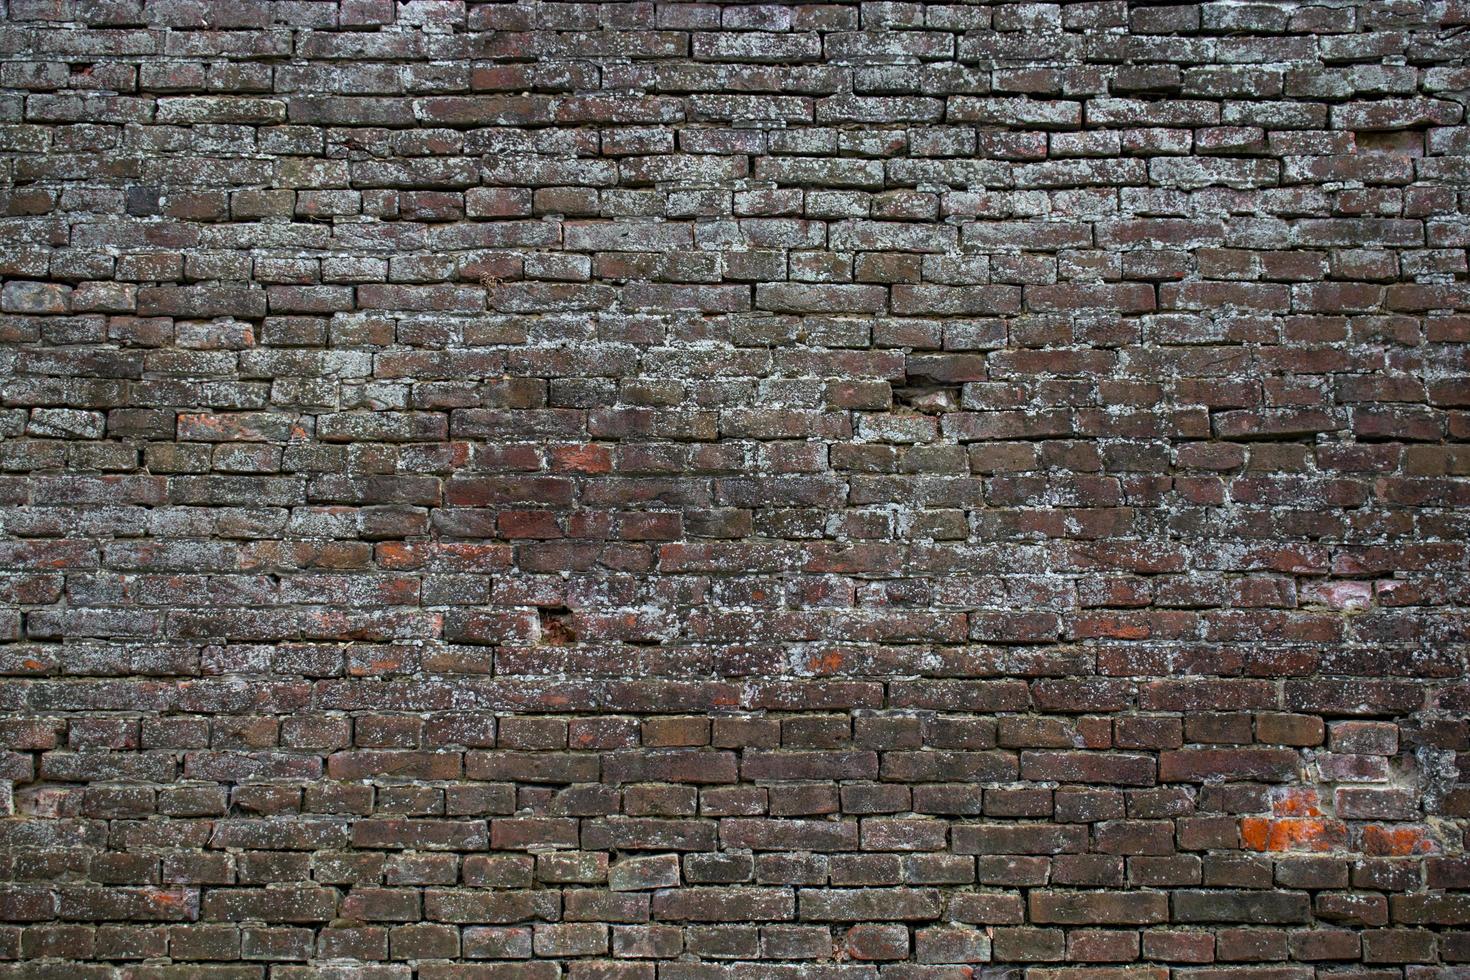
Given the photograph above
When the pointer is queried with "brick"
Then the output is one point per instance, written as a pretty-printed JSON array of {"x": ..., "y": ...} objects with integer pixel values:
[
  {"x": 877, "y": 942},
  {"x": 35, "y": 297},
  {"x": 1196, "y": 765},
  {"x": 802, "y": 298},
  {"x": 863, "y": 905},
  {"x": 725, "y": 904},
  {"x": 637, "y": 873},
  {"x": 1238, "y": 906},
  {"x": 1099, "y": 908},
  {"x": 1364, "y": 737},
  {"x": 951, "y": 944}
]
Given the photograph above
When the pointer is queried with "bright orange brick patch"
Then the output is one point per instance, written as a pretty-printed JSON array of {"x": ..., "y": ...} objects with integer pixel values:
[
  {"x": 1381, "y": 841},
  {"x": 1293, "y": 834}
]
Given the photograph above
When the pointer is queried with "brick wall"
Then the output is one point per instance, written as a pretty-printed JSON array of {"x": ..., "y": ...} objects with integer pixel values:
[{"x": 695, "y": 491}]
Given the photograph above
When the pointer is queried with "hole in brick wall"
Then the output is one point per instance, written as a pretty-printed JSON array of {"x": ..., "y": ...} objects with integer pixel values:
[
  {"x": 928, "y": 399},
  {"x": 556, "y": 627},
  {"x": 1403, "y": 141}
]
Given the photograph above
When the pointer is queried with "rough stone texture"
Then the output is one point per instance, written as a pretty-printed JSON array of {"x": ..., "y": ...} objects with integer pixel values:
[{"x": 692, "y": 491}]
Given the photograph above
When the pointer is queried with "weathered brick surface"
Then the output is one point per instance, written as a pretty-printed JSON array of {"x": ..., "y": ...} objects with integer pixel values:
[{"x": 717, "y": 491}]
